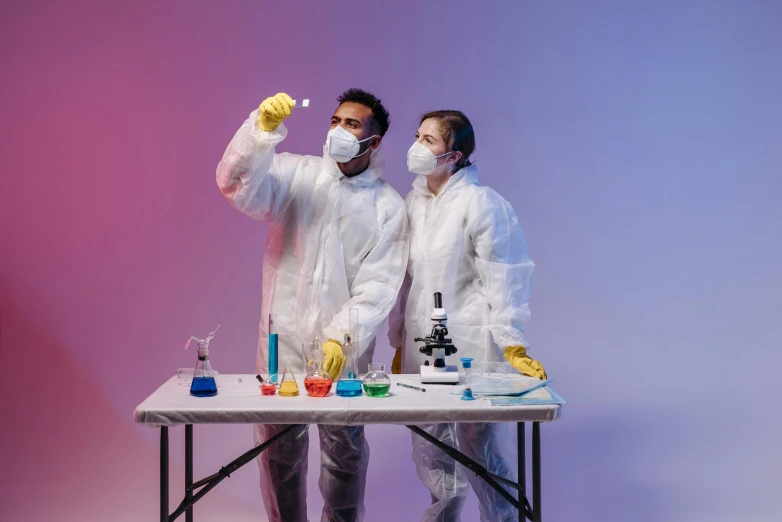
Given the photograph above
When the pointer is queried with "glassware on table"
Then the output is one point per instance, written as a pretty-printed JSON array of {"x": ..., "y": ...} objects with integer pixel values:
[
  {"x": 317, "y": 382},
  {"x": 376, "y": 382}
]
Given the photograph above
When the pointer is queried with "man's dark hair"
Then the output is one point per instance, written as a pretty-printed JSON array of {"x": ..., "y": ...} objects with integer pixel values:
[{"x": 379, "y": 113}]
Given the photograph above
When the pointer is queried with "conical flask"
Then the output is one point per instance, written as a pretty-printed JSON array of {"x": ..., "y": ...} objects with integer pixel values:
[
  {"x": 288, "y": 386},
  {"x": 203, "y": 384},
  {"x": 349, "y": 384}
]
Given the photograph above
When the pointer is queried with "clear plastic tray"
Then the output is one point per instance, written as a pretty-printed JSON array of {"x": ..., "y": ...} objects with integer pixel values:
[{"x": 497, "y": 378}]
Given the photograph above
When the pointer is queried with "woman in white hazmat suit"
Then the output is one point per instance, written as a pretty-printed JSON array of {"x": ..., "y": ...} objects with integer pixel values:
[
  {"x": 466, "y": 243},
  {"x": 337, "y": 240}
]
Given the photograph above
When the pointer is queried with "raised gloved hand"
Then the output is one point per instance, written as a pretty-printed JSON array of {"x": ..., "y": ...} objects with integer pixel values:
[
  {"x": 273, "y": 110},
  {"x": 518, "y": 358},
  {"x": 396, "y": 364},
  {"x": 333, "y": 359}
]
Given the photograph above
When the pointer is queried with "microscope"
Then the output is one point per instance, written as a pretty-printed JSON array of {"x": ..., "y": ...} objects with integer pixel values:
[{"x": 438, "y": 347}]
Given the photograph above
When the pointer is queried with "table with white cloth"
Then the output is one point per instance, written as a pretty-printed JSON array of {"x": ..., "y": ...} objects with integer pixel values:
[{"x": 239, "y": 401}]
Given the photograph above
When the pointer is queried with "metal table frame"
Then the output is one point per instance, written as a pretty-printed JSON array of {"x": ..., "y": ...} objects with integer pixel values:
[{"x": 195, "y": 491}]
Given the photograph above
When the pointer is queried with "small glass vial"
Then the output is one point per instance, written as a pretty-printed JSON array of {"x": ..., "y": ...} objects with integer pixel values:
[{"x": 466, "y": 368}]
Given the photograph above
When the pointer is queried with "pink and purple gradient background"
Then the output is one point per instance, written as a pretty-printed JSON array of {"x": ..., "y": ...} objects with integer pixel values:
[{"x": 638, "y": 141}]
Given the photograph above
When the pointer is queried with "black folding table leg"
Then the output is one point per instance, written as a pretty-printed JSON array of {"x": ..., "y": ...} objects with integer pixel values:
[
  {"x": 211, "y": 481},
  {"x": 164, "y": 474},
  {"x": 536, "y": 493},
  {"x": 522, "y": 462},
  {"x": 189, "y": 470}
]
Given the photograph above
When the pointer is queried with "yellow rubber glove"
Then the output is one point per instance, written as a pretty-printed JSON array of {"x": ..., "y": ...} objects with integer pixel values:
[
  {"x": 333, "y": 359},
  {"x": 518, "y": 358},
  {"x": 396, "y": 364},
  {"x": 273, "y": 110}
]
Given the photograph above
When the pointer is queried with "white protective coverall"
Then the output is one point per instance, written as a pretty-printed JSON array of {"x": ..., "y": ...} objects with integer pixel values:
[
  {"x": 467, "y": 244},
  {"x": 334, "y": 243}
]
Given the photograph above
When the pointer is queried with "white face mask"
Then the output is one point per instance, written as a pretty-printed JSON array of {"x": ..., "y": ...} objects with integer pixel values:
[
  {"x": 343, "y": 146},
  {"x": 421, "y": 160}
]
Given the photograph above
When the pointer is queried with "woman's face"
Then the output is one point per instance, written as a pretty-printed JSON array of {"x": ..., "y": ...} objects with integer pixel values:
[{"x": 429, "y": 136}]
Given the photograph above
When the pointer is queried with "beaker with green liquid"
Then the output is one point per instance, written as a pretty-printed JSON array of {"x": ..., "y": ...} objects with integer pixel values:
[{"x": 376, "y": 381}]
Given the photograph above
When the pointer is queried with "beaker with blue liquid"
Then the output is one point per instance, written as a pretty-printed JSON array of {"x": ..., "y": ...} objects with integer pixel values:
[{"x": 349, "y": 385}]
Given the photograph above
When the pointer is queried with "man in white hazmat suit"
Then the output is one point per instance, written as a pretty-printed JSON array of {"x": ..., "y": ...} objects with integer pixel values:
[
  {"x": 337, "y": 240},
  {"x": 466, "y": 243}
]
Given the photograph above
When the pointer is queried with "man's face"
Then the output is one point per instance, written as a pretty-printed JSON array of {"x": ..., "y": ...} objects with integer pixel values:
[{"x": 356, "y": 119}]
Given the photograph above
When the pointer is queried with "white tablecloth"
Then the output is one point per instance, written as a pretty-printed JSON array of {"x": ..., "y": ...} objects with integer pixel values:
[{"x": 239, "y": 401}]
